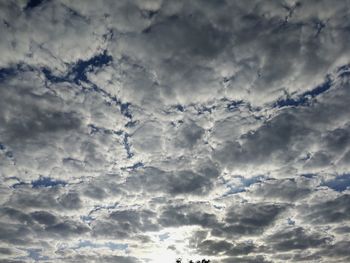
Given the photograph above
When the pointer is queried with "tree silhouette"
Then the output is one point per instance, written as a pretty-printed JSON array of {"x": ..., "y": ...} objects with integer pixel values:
[{"x": 179, "y": 260}]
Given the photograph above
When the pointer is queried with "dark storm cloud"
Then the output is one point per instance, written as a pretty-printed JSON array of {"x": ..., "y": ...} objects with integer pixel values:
[{"x": 216, "y": 128}]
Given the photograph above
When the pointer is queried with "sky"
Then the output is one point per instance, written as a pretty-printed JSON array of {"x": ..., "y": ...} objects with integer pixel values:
[{"x": 142, "y": 131}]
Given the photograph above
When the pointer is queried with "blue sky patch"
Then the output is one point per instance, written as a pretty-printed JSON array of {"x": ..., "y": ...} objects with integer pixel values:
[
  {"x": 243, "y": 184},
  {"x": 339, "y": 183},
  {"x": 47, "y": 182},
  {"x": 304, "y": 98}
]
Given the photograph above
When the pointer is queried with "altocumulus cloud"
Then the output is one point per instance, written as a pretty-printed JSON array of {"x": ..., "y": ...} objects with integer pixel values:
[{"x": 146, "y": 130}]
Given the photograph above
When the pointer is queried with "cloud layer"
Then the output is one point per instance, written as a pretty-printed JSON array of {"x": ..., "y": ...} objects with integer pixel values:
[{"x": 143, "y": 131}]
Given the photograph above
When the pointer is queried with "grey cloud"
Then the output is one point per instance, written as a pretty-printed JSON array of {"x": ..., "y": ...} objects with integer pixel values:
[
  {"x": 342, "y": 229},
  {"x": 15, "y": 215},
  {"x": 103, "y": 186},
  {"x": 42, "y": 122},
  {"x": 67, "y": 228},
  {"x": 28, "y": 115},
  {"x": 134, "y": 220},
  {"x": 259, "y": 42},
  {"x": 131, "y": 15},
  {"x": 256, "y": 259},
  {"x": 287, "y": 190},
  {"x": 105, "y": 258},
  {"x": 337, "y": 140},
  {"x": 330, "y": 252},
  {"x": 16, "y": 234},
  {"x": 269, "y": 142},
  {"x": 182, "y": 215},
  {"x": 188, "y": 182},
  {"x": 332, "y": 211},
  {"x": 297, "y": 238},
  {"x": 21, "y": 228},
  {"x": 232, "y": 127},
  {"x": 44, "y": 217},
  {"x": 130, "y": 119},
  {"x": 95, "y": 192},
  {"x": 176, "y": 182},
  {"x": 248, "y": 219},
  {"x": 222, "y": 247},
  {"x": 189, "y": 135},
  {"x": 43, "y": 41},
  {"x": 70, "y": 201},
  {"x": 48, "y": 198},
  {"x": 45, "y": 198},
  {"x": 45, "y": 128},
  {"x": 5, "y": 251},
  {"x": 338, "y": 251},
  {"x": 299, "y": 137},
  {"x": 191, "y": 34},
  {"x": 125, "y": 224},
  {"x": 299, "y": 256},
  {"x": 13, "y": 261},
  {"x": 148, "y": 138},
  {"x": 319, "y": 160}
]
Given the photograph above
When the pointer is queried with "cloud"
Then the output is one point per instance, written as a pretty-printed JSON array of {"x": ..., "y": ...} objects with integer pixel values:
[
  {"x": 249, "y": 219},
  {"x": 222, "y": 247},
  {"x": 174, "y": 216},
  {"x": 126, "y": 223},
  {"x": 296, "y": 238},
  {"x": 286, "y": 190},
  {"x": 152, "y": 179},
  {"x": 330, "y": 211},
  {"x": 183, "y": 128}
]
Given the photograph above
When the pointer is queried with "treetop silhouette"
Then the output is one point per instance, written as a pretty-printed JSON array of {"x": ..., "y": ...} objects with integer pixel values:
[{"x": 179, "y": 260}]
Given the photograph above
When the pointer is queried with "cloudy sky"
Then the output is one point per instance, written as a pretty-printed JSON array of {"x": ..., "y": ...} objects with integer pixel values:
[{"x": 140, "y": 131}]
